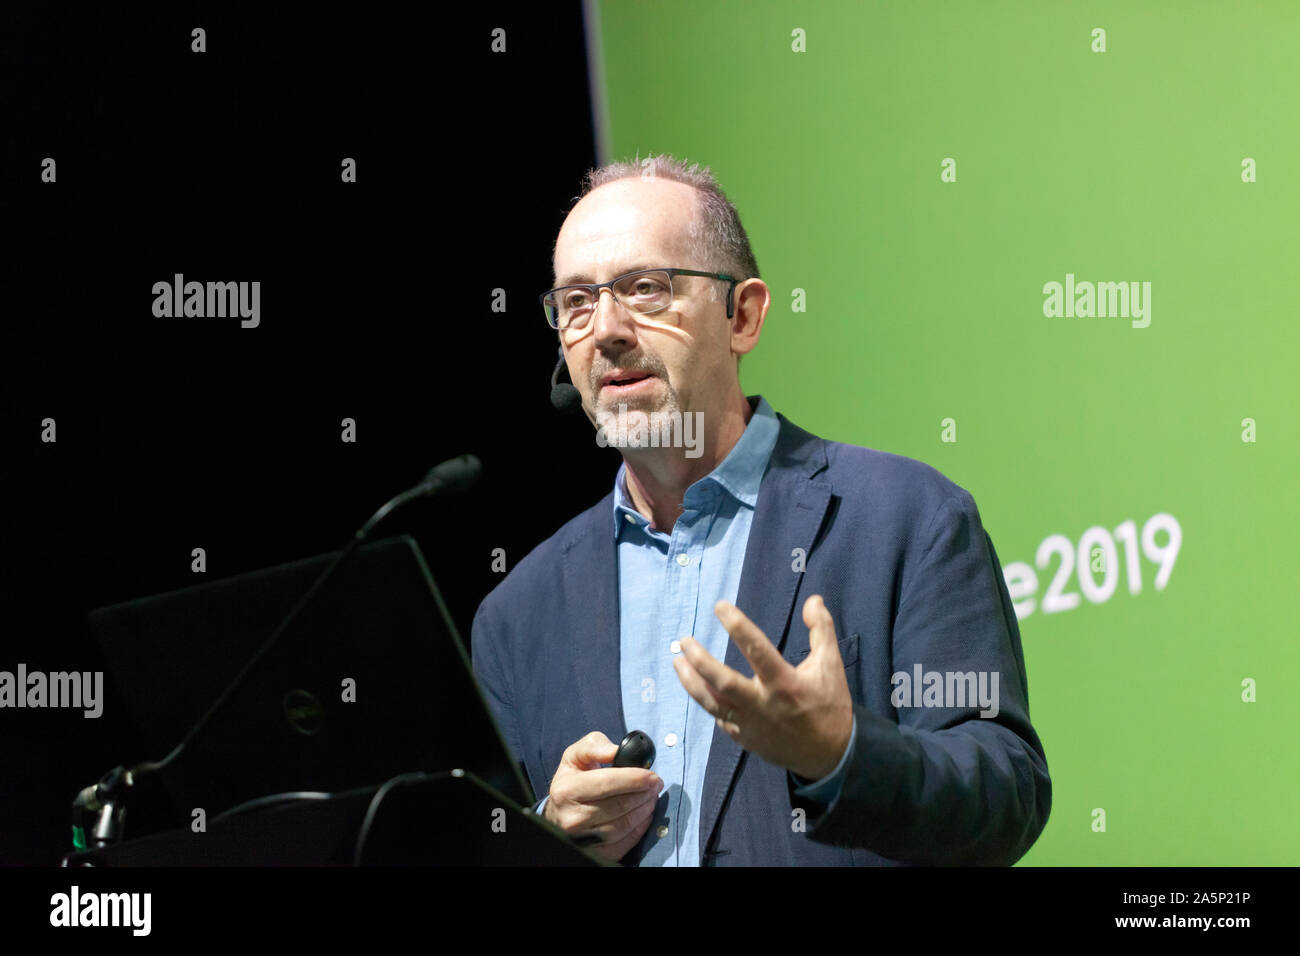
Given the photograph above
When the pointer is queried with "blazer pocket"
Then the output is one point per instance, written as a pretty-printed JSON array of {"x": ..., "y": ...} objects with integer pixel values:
[{"x": 848, "y": 650}]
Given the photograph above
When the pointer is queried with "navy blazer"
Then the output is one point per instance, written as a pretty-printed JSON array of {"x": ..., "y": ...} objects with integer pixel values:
[{"x": 910, "y": 577}]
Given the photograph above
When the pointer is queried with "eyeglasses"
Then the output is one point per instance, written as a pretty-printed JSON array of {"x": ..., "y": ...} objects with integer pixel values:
[{"x": 646, "y": 292}]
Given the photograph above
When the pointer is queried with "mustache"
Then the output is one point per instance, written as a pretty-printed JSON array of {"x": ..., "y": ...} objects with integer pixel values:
[{"x": 646, "y": 365}]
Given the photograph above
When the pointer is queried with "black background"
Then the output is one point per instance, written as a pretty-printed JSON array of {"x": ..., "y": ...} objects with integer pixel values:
[{"x": 376, "y": 305}]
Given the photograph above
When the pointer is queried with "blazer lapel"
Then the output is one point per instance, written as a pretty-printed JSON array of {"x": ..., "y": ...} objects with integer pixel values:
[
  {"x": 591, "y": 648},
  {"x": 788, "y": 514}
]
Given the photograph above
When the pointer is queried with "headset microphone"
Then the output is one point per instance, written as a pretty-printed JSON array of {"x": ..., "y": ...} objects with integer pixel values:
[{"x": 564, "y": 396}]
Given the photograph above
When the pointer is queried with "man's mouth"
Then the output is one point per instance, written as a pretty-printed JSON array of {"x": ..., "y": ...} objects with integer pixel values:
[{"x": 625, "y": 381}]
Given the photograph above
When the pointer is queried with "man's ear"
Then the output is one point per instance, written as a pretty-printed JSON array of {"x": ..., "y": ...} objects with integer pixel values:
[{"x": 752, "y": 304}]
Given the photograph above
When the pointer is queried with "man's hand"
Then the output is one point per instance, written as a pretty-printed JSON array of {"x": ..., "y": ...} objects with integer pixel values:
[
  {"x": 616, "y": 803},
  {"x": 795, "y": 717}
]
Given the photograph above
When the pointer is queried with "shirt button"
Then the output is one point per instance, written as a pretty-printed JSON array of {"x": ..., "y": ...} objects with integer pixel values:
[
  {"x": 662, "y": 831},
  {"x": 671, "y": 740},
  {"x": 675, "y": 647},
  {"x": 629, "y": 519},
  {"x": 683, "y": 559}
]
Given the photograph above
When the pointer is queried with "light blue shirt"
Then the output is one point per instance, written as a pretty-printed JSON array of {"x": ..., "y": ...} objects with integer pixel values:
[{"x": 668, "y": 584}]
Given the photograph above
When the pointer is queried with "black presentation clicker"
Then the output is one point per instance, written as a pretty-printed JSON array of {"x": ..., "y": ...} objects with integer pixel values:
[{"x": 636, "y": 750}]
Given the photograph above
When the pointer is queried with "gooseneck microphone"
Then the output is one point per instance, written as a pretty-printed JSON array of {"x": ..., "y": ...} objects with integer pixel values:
[
  {"x": 451, "y": 477},
  {"x": 564, "y": 396},
  {"x": 107, "y": 798}
]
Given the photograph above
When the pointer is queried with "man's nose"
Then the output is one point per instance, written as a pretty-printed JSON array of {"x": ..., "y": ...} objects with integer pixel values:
[{"x": 612, "y": 325}]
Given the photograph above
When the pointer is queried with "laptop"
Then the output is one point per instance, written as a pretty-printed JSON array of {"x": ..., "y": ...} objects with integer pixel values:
[{"x": 371, "y": 681}]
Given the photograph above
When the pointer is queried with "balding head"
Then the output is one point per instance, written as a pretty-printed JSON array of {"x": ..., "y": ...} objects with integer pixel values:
[{"x": 687, "y": 352}]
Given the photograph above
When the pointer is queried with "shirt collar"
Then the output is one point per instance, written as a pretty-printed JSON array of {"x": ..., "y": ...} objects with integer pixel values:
[{"x": 739, "y": 474}]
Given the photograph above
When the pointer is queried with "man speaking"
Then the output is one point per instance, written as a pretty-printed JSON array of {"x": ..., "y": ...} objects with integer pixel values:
[{"x": 816, "y": 636}]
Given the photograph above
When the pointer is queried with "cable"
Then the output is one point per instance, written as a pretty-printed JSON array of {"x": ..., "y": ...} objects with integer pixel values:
[
  {"x": 366, "y": 822},
  {"x": 272, "y": 799}
]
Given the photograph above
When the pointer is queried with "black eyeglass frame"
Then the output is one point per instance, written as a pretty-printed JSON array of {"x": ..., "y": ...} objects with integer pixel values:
[{"x": 595, "y": 287}]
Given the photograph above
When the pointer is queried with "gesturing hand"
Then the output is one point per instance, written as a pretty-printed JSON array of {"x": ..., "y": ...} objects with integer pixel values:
[{"x": 795, "y": 717}]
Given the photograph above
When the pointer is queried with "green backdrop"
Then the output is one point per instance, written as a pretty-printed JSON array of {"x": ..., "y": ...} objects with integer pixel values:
[{"x": 924, "y": 302}]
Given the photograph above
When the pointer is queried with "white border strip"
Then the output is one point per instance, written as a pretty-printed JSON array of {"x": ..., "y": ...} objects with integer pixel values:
[{"x": 596, "y": 76}]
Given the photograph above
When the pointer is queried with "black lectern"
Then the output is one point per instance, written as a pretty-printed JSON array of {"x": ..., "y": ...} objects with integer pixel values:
[
  {"x": 363, "y": 716},
  {"x": 440, "y": 819}
]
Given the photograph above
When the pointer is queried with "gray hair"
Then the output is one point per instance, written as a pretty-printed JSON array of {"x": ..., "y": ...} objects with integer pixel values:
[{"x": 718, "y": 241}]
